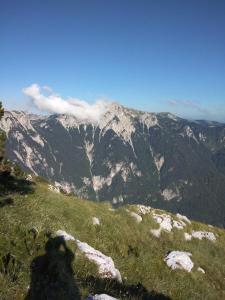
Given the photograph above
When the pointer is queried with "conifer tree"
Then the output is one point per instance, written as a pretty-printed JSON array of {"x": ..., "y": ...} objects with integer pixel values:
[{"x": 1, "y": 110}]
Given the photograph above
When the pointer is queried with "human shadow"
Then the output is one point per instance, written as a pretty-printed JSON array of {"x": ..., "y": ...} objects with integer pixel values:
[
  {"x": 122, "y": 290},
  {"x": 52, "y": 276},
  {"x": 12, "y": 184}
]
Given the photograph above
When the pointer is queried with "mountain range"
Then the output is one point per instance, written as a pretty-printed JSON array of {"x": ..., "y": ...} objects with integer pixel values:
[{"x": 127, "y": 157}]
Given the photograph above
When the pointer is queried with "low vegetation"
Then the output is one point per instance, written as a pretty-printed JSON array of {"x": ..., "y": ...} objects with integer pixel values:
[{"x": 29, "y": 218}]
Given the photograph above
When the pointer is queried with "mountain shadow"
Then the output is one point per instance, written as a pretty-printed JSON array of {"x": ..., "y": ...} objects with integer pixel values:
[
  {"x": 120, "y": 290},
  {"x": 52, "y": 276}
]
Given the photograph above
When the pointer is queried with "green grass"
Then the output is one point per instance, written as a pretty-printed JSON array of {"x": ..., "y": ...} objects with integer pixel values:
[{"x": 136, "y": 253}]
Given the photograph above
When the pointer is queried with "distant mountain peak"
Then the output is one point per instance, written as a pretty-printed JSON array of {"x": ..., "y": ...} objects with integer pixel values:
[{"x": 128, "y": 156}]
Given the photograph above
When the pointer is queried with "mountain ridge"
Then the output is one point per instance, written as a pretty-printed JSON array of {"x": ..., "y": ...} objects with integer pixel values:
[{"x": 129, "y": 156}]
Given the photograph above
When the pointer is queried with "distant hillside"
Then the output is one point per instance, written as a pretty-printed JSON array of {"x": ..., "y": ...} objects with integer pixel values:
[{"x": 128, "y": 157}]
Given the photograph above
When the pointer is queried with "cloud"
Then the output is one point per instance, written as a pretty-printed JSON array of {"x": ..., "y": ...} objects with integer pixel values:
[
  {"x": 53, "y": 103},
  {"x": 194, "y": 110},
  {"x": 189, "y": 104}
]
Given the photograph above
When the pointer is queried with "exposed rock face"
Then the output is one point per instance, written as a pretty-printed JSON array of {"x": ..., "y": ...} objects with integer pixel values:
[
  {"x": 128, "y": 157},
  {"x": 166, "y": 223}
]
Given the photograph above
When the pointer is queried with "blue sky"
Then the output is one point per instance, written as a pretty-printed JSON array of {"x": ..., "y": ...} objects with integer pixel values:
[{"x": 163, "y": 55}]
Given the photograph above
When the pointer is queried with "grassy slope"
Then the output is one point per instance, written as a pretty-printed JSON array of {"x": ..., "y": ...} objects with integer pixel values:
[{"x": 48, "y": 211}]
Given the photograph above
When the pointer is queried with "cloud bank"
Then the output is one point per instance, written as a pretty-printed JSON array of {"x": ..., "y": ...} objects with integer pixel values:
[
  {"x": 194, "y": 110},
  {"x": 188, "y": 104},
  {"x": 46, "y": 100}
]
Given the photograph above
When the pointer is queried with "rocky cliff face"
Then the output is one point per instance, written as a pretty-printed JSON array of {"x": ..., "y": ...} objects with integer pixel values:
[{"x": 127, "y": 157}]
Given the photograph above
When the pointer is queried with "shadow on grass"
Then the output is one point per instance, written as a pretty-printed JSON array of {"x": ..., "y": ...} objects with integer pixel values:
[
  {"x": 52, "y": 276},
  {"x": 6, "y": 201},
  {"x": 11, "y": 184},
  {"x": 120, "y": 290}
]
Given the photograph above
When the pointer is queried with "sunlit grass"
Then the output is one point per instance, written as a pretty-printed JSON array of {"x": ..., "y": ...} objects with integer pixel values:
[{"x": 136, "y": 252}]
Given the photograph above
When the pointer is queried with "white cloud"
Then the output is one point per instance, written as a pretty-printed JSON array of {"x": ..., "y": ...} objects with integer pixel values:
[{"x": 53, "y": 103}]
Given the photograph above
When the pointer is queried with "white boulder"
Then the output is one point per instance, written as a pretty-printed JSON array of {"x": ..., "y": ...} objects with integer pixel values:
[
  {"x": 187, "y": 236},
  {"x": 101, "y": 297},
  {"x": 183, "y": 218},
  {"x": 179, "y": 260},
  {"x": 95, "y": 221},
  {"x": 201, "y": 270},
  {"x": 53, "y": 188},
  {"x": 29, "y": 177},
  {"x": 164, "y": 221},
  {"x": 143, "y": 210},
  {"x": 65, "y": 235},
  {"x": 105, "y": 263},
  {"x": 204, "y": 235},
  {"x": 200, "y": 235},
  {"x": 137, "y": 217},
  {"x": 64, "y": 186},
  {"x": 156, "y": 232},
  {"x": 178, "y": 224},
  {"x": 106, "y": 267}
]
